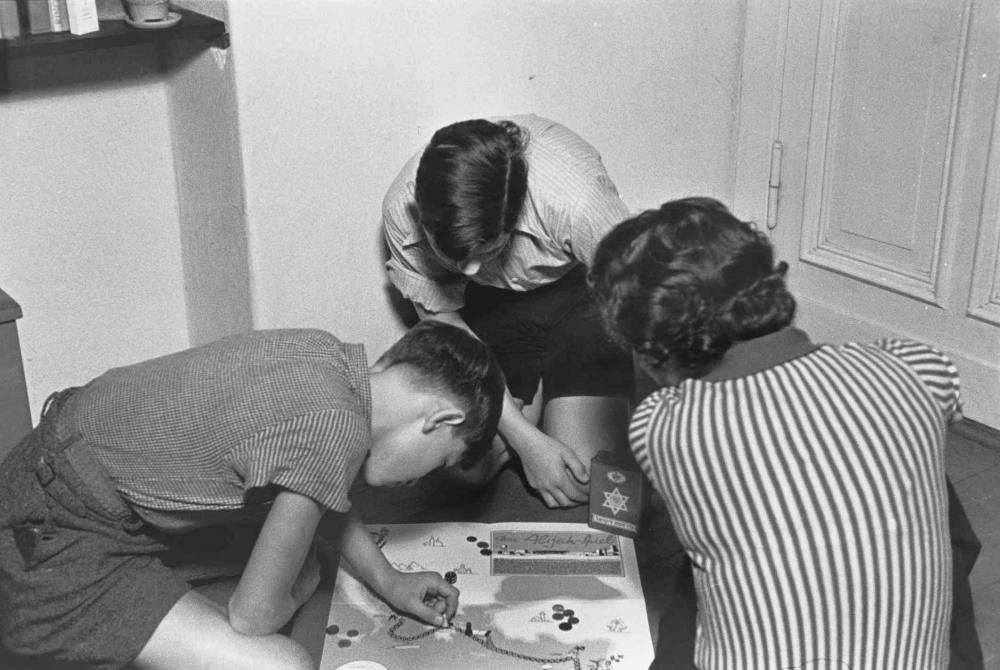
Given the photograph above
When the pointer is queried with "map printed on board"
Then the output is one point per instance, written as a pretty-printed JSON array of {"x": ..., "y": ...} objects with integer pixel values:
[{"x": 533, "y": 596}]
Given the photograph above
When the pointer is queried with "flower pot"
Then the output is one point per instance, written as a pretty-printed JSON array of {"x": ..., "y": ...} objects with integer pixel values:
[{"x": 147, "y": 10}]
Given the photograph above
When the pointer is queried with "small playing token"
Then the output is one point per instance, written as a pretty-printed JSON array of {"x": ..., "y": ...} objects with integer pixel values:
[
  {"x": 574, "y": 620},
  {"x": 482, "y": 545},
  {"x": 557, "y": 616},
  {"x": 343, "y": 643},
  {"x": 352, "y": 633},
  {"x": 485, "y": 552},
  {"x": 557, "y": 608},
  {"x": 450, "y": 577},
  {"x": 472, "y": 538},
  {"x": 568, "y": 612},
  {"x": 565, "y": 625},
  {"x": 332, "y": 630}
]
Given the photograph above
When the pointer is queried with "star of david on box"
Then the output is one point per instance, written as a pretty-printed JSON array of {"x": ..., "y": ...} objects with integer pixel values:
[{"x": 615, "y": 494}]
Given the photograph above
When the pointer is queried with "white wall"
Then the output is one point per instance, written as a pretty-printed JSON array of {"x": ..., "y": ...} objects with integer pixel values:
[
  {"x": 333, "y": 97},
  {"x": 209, "y": 177},
  {"x": 145, "y": 210},
  {"x": 89, "y": 241}
]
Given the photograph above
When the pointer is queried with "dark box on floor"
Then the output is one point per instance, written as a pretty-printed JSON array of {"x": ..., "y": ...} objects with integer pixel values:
[{"x": 615, "y": 494}]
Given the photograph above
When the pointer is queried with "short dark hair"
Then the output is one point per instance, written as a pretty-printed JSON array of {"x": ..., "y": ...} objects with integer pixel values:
[
  {"x": 471, "y": 184},
  {"x": 449, "y": 360},
  {"x": 686, "y": 281}
]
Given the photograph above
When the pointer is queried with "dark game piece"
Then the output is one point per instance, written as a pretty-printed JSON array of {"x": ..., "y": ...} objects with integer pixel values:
[
  {"x": 557, "y": 608},
  {"x": 352, "y": 633},
  {"x": 343, "y": 644},
  {"x": 482, "y": 545},
  {"x": 468, "y": 628},
  {"x": 557, "y": 616},
  {"x": 471, "y": 538},
  {"x": 568, "y": 612},
  {"x": 332, "y": 630},
  {"x": 565, "y": 625},
  {"x": 451, "y": 577},
  {"x": 574, "y": 620},
  {"x": 485, "y": 552}
]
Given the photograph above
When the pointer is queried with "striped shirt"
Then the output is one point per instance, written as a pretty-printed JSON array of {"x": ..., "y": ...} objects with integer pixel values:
[
  {"x": 570, "y": 204},
  {"x": 810, "y": 496},
  {"x": 205, "y": 435}
]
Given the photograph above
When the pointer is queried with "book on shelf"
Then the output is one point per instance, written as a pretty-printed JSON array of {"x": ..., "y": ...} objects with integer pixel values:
[
  {"x": 10, "y": 19},
  {"x": 82, "y": 16},
  {"x": 35, "y": 16},
  {"x": 58, "y": 18}
]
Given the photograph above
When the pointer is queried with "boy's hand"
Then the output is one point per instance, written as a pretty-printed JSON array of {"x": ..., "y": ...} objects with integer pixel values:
[
  {"x": 554, "y": 470},
  {"x": 424, "y": 594}
]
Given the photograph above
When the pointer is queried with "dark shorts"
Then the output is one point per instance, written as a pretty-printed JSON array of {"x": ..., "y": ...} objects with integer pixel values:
[
  {"x": 80, "y": 579},
  {"x": 552, "y": 334}
]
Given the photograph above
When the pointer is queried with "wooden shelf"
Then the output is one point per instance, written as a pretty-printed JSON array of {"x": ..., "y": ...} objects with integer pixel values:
[{"x": 113, "y": 33}]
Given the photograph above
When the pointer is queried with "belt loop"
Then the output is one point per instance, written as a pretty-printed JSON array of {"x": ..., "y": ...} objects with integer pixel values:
[
  {"x": 56, "y": 399},
  {"x": 53, "y": 397}
]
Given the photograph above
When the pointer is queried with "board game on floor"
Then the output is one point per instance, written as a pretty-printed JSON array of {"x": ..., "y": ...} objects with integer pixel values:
[{"x": 533, "y": 596}]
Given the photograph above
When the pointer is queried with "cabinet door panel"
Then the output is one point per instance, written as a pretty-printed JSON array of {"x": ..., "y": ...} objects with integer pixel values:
[
  {"x": 882, "y": 117},
  {"x": 984, "y": 296},
  {"x": 889, "y": 206}
]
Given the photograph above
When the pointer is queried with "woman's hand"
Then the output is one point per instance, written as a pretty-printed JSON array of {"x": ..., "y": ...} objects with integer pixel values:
[{"x": 424, "y": 594}]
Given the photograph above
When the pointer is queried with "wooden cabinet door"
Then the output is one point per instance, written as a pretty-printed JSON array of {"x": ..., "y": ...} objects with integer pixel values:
[{"x": 888, "y": 210}]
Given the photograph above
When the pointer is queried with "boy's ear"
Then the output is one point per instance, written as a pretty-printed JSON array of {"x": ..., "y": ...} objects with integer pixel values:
[{"x": 446, "y": 416}]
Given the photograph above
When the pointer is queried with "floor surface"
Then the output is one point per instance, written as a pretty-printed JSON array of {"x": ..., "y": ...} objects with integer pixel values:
[
  {"x": 974, "y": 466},
  {"x": 973, "y": 462}
]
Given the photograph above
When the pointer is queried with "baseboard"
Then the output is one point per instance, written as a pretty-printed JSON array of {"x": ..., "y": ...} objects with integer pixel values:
[
  {"x": 980, "y": 434},
  {"x": 980, "y": 378}
]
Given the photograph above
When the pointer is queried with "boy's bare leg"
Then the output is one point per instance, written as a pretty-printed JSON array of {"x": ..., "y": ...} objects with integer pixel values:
[
  {"x": 196, "y": 635},
  {"x": 588, "y": 424}
]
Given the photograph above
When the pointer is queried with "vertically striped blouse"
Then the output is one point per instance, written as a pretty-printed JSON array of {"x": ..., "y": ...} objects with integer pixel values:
[{"x": 811, "y": 498}]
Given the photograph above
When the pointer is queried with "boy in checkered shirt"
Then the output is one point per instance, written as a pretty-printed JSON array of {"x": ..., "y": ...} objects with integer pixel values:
[{"x": 264, "y": 430}]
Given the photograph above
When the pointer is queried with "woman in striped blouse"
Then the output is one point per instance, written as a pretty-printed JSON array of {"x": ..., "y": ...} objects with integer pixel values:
[{"x": 806, "y": 482}]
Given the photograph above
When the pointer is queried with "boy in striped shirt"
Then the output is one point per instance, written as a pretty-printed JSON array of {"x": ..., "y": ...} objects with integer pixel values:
[
  {"x": 806, "y": 482},
  {"x": 266, "y": 430},
  {"x": 490, "y": 227}
]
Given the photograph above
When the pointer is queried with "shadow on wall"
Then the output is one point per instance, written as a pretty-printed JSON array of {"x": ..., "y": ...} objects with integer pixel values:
[{"x": 119, "y": 67}]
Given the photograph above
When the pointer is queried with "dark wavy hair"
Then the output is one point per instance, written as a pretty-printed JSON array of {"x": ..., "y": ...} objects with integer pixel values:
[
  {"x": 448, "y": 360},
  {"x": 686, "y": 281},
  {"x": 471, "y": 184}
]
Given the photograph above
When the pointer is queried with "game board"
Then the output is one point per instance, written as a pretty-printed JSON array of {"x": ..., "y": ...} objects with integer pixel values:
[{"x": 533, "y": 596}]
